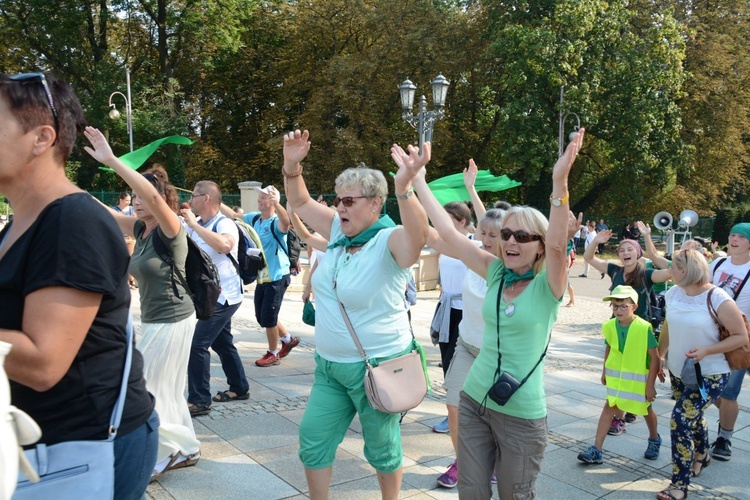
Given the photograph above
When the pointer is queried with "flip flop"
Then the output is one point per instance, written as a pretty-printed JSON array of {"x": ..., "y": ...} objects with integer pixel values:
[
  {"x": 223, "y": 397},
  {"x": 189, "y": 461}
]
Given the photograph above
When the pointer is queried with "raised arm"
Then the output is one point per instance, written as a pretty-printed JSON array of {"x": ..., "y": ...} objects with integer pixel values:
[
  {"x": 281, "y": 212},
  {"x": 451, "y": 242},
  {"x": 470, "y": 178},
  {"x": 101, "y": 152},
  {"x": 556, "y": 243},
  {"x": 406, "y": 242},
  {"x": 589, "y": 255},
  {"x": 311, "y": 240},
  {"x": 659, "y": 261},
  {"x": 320, "y": 218}
]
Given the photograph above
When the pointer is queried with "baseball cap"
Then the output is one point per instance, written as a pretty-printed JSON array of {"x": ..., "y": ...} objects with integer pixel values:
[
  {"x": 623, "y": 292},
  {"x": 265, "y": 190}
]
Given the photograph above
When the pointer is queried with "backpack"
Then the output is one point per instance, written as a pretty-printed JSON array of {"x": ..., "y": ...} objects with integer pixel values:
[
  {"x": 292, "y": 246},
  {"x": 250, "y": 260},
  {"x": 201, "y": 278}
]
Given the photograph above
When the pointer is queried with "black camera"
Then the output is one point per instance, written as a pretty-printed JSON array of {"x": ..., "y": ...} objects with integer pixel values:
[{"x": 502, "y": 390}]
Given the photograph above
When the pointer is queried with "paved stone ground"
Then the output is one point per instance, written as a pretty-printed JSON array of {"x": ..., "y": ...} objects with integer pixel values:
[{"x": 249, "y": 448}]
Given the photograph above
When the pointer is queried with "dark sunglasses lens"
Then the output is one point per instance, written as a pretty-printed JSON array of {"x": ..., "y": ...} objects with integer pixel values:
[
  {"x": 523, "y": 236},
  {"x": 348, "y": 201}
]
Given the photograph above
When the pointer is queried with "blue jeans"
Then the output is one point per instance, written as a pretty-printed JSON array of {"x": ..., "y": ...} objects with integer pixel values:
[
  {"x": 734, "y": 385},
  {"x": 216, "y": 333},
  {"x": 135, "y": 457}
]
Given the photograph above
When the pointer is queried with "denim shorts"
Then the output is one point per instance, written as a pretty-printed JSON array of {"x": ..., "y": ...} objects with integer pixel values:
[
  {"x": 268, "y": 297},
  {"x": 734, "y": 385}
]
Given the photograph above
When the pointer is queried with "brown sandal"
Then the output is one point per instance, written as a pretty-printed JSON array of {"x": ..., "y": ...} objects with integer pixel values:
[
  {"x": 668, "y": 492},
  {"x": 703, "y": 463}
]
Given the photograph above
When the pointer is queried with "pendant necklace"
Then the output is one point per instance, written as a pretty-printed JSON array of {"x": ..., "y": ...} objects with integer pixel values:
[{"x": 511, "y": 307}]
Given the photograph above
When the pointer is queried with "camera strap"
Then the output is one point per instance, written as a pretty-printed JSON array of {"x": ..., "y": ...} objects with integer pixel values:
[{"x": 500, "y": 292}]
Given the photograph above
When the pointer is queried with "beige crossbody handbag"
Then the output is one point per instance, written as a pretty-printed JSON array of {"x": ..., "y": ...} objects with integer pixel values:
[{"x": 395, "y": 385}]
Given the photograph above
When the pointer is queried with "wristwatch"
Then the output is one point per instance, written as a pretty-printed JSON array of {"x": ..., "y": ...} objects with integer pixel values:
[
  {"x": 406, "y": 195},
  {"x": 558, "y": 202}
]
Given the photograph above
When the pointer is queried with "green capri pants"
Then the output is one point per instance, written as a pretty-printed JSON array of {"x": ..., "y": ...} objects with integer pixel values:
[{"x": 338, "y": 393}]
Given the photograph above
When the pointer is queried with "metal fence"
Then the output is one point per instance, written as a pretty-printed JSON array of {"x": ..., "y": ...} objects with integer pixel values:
[{"x": 704, "y": 228}]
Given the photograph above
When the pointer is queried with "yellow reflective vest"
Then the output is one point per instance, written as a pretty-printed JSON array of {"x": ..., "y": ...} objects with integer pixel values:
[{"x": 627, "y": 372}]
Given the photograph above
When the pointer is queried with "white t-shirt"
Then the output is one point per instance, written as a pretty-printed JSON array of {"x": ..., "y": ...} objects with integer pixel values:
[
  {"x": 231, "y": 284},
  {"x": 729, "y": 277},
  {"x": 691, "y": 326},
  {"x": 589, "y": 238}
]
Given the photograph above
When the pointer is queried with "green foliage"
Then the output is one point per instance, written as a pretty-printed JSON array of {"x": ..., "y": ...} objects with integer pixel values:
[
  {"x": 725, "y": 218},
  {"x": 660, "y": 86}
]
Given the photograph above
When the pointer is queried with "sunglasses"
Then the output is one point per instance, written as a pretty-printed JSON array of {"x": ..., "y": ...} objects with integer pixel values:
[
  {"x": 621, "y": 307},
  {"x": 348, "y": 201},
  {"x": 25, "y": 77},
  {"x": 520, "y": 236}
]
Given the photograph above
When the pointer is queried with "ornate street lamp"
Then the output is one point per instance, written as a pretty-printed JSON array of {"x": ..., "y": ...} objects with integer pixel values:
[
  {"x": 424, "y": 120},
  {"x": 561, "y": 131},
  {"x": 114, "y": 114}
]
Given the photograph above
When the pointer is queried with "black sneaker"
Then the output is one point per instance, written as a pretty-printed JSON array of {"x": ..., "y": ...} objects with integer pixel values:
[
  {"x": 630, "y": 418},
  {"x": 721, "y": 449}
]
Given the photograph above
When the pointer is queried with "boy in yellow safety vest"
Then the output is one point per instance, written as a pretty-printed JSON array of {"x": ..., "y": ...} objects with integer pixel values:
[{"x": 631, "y": 364}]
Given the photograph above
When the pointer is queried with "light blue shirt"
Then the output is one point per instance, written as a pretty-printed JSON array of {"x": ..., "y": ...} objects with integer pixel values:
[
  {"x": 276, "y": 257},
  {"x": 371, "y": 286}
]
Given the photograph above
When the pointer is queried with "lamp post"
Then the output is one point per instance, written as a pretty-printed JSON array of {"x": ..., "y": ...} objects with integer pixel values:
[
  {"x": 114, "y": 114},
  {"x": 561, "y": 131},
  {"x": 424, "y": 120}
]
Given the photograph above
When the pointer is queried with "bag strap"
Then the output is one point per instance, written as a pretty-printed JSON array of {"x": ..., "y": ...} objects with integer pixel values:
[
  {"x": 499, "y": 354},
  {"x": 114, "y": 421},
  {"x": 348, "y": 322},
  {"x": 711, "y": 310},
  {"x": 717, "y": 266},
  {"x": 164, "y": 254},
  {"x": 742, "y": 285}
]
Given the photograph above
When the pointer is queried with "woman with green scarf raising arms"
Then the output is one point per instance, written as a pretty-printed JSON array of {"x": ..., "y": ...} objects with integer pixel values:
[
  {"x": 502, "y": 412},
  {"x": 367, "y": 267}
]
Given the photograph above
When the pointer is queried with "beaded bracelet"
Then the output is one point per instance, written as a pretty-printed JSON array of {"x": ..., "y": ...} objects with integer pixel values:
[{"x": 290, "y": 176}]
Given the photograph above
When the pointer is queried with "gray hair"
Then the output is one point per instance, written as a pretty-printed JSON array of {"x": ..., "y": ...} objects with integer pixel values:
[
  {"x": 370, "y": 181},
  {"x": 492, "y": 220}
]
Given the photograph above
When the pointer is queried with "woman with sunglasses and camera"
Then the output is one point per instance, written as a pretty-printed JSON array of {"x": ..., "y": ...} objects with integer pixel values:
[
  {"x": 63, "y": 306},
  {"x": 366, "y": 269},
  {"x": 502, "y": 413},
  {"x": 694, "y": 334},
  {"x": 167, "y": 312}
]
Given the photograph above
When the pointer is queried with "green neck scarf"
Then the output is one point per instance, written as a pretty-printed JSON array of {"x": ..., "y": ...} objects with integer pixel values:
[
  {"x": 384, "y": 222},
  {"x": 512, "y": 276}
]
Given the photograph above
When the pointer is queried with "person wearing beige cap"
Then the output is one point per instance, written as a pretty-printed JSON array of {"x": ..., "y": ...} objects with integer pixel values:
[{"x": 631, "y": 364}]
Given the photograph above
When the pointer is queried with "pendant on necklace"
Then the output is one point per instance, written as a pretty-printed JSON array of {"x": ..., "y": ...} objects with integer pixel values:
[{"x": 510, "y": 309}]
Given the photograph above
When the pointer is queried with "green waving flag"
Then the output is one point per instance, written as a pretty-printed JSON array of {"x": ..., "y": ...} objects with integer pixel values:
[
  {"x": 451, "y": 187},
  {"x": 136, "y": 158}
]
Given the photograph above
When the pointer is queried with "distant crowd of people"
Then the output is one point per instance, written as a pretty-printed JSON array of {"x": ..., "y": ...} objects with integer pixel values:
[{"x": 64, "y": 307}]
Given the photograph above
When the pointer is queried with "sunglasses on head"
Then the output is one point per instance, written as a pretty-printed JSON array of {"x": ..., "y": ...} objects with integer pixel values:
[
  {"x": 25, "y": 77},
  {"x": 520, "y": 236},
  {"x": 348, "y": 201}
]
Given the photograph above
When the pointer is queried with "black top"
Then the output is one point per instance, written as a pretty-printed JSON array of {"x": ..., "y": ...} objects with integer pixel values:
[{"x": 75, "y": 243}]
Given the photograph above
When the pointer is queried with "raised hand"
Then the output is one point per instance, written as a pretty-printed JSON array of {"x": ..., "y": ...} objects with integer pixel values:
[
  {"x": 101, "y": 151},
  {"x": 470, "y": 174},
  {"x": 645, "y": 229},
  {"x": 565, "y": 162},
  {"x": 274, "y": 195},
  {"x": 410, "y": 165},
  {"x": 603, "y": 236},
  {"x": 574, "y": 224},
  {"x": 296, "y": 147}
]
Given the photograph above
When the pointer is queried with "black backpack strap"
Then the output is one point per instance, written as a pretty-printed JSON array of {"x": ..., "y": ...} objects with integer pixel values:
[
  {"x": 717, "y": 266},
  {"x": 742, "y": 285},
  {"x": 164, "y": 254}
]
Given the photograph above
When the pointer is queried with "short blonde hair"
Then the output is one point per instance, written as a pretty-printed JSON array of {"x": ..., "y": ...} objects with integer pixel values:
[
  {"x": 694, "y": 264},
  {"x": 370, "y": 181},
  {"x": 532, "y": 220}
]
